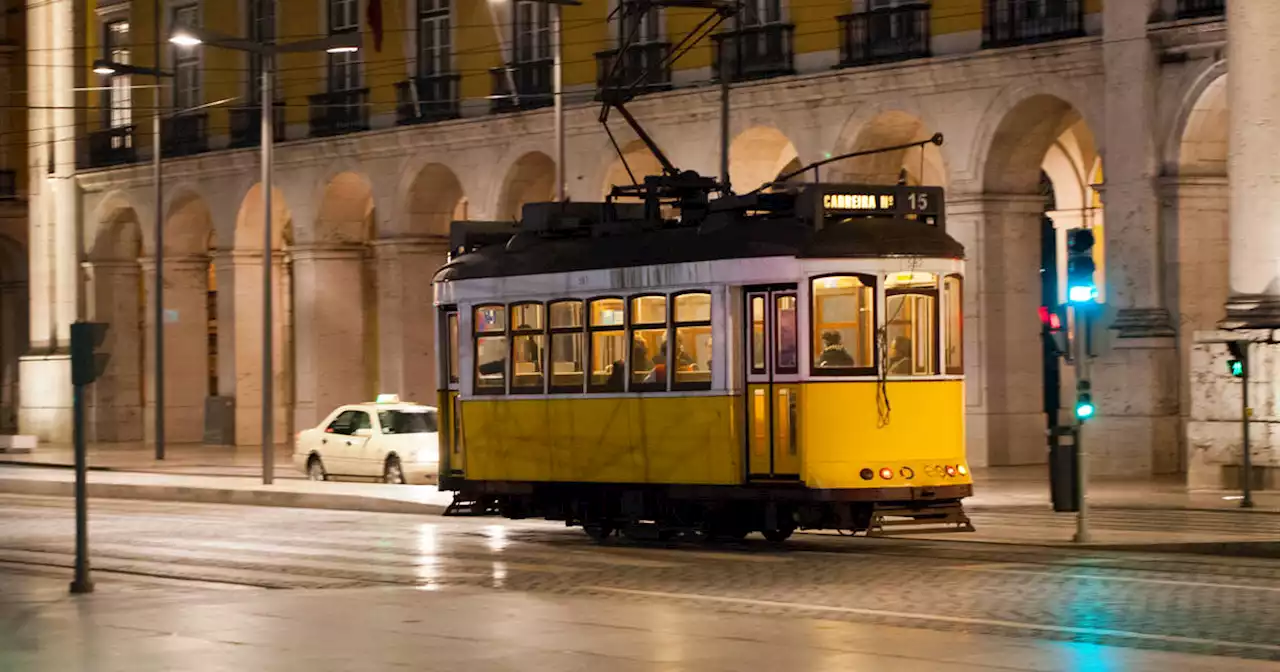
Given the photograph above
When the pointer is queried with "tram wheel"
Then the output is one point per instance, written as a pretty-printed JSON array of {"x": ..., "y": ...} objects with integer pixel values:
[
  {"x": 598, "y": 531},
  {"x": 777, "y": 536}
]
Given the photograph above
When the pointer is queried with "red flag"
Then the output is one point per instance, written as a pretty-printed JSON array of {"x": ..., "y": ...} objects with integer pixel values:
[{"x": 374, "y": 16}]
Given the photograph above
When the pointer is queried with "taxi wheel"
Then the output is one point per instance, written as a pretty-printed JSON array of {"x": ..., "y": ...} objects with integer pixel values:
[
  {"x": 392, "y": 472},
  {"x": 777, "y": 536},
  {"x": 315, "y": 469}
]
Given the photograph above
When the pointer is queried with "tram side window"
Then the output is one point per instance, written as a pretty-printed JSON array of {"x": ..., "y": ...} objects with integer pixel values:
[
  {"x": 693, "y": 341},
  {"x": 757, "y": 334},
  {"x": 490, "y": 327},
  {"x": 649, "y": 356},
  {"x": 953, "y": 301},
  {"x": 453, "y": 348},
  {"x": 786, "y": 358},
  {"x": 911, "y": 305},
  {"x": 608, "y": 345},
  {"x": 567, "y": 346},
  {"x": 527, "y": 346},
  {"x": 843, "y": 324}
]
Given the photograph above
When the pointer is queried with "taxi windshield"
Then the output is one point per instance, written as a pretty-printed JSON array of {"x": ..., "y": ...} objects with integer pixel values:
[{"x": 407, "y": 422}]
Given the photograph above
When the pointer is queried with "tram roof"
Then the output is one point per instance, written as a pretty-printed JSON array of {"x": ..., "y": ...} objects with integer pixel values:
[{"x": 746, "y": 238}]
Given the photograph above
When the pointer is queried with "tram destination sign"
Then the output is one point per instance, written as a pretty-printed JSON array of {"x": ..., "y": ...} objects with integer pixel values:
[{"x": 853, "y": 200}]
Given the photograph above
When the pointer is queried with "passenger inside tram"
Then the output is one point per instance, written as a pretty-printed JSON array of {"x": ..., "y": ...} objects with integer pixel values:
[
  {"x": 833, "y": 353},
  {"x": 900, "y": 357}
]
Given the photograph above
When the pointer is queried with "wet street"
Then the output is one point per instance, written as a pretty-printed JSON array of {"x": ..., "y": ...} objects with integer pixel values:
[{"x": 203, "y": 587}]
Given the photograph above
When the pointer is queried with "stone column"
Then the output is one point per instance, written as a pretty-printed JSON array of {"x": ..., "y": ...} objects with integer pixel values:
[
  {"x": 406, "y": 332},
  {"x": 186, "y": 348},
  {"x": 1005, "y": 421},
  {"x": 329, "y": 333},
  {"x": 13, "y": 339},
  {"x": 240, "y": 374},
  {"x": 114, "y": 402}
]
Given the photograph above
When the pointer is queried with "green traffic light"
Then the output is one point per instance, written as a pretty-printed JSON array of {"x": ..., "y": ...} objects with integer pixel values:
[
  {"x": 1237, "y": 367},
  {"x": 1084, "y": 407}
]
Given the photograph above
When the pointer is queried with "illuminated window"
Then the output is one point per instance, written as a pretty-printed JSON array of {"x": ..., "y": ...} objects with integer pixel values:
[
  {"x": 757, "y": 335},
  {"x": 453, "y": 348},
  {"x": 693, "y": 341},
  {"x": 567, "y": 346},
  {"x": 953, "y": 303},
  {"x": 649, "y": 343},
  {"x": 491, "y": 350},
  {"x": 608, "y": 345},
  {"x": 786, "y": 353},
  {"x": 911, "y": 331},
  {"x": 844, "y": 325},
  {"x": 527, "y": 341}
]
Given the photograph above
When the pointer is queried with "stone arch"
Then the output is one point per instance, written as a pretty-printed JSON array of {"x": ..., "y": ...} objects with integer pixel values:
[
  {"x": 249, "y": 219},
  {"x": 888, "y": 128},
  {"x": 1194, "y": 99},
  {"x": 1023, "y": 138},
  {"x": 117, "y": 231},
  {"x": 531, "y": 179},
  {"x": 188, "y": 225},
  {"x": 433, "y": 199},
  {"x": 758, "y": 156},
  {"x": 638, "y": 158},
  {"x": 1202, "y": 144},
  {"x": 345, "y": 213}
]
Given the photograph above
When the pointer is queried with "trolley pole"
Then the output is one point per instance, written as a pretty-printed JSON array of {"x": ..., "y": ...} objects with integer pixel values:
[{"x": 1082, "y": 383}]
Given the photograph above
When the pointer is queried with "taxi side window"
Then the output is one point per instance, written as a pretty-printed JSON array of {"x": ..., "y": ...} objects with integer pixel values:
[
  {"x": 360, "y": 421},
  {"x": 345, "y": 423}
]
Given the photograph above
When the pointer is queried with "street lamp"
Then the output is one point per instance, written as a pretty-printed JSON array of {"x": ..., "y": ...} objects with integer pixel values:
[
  {"x": 112, "y": 69},
  {"x": 333, "y": 44}
]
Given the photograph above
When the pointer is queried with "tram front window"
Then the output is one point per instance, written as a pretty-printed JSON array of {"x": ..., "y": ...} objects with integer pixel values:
[
  {"x": 844, "y": 324},
  {"x": 911, "y": 301}
]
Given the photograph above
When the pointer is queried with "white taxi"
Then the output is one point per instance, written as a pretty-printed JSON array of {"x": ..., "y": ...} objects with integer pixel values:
[{"x": 387, "y": 439}]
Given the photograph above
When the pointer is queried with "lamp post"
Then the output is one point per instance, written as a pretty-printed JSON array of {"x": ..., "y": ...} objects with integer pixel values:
[
  {"x": 557, "y": 85},
  {"x": 112, "y": 69},
  {"x": 339, "y": 43}
]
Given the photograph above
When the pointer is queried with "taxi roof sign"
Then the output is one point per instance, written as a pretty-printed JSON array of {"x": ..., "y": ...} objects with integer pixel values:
[{"x": 388, "y": 399}]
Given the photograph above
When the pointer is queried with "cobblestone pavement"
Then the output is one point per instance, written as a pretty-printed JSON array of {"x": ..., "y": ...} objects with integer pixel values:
[{"x": 1186, "y": 604}]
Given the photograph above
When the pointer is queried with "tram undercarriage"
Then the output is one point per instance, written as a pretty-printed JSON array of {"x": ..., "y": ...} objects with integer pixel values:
[{"x": 720, "y": 512}]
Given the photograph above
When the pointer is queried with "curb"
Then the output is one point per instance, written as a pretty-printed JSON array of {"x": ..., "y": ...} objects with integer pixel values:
[{"x": 171, "y": 493}]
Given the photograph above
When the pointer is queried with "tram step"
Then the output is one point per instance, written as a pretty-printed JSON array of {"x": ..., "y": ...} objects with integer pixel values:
[
  {"x": 896, "y": 521},
  {"x": 461, "y": 506}
]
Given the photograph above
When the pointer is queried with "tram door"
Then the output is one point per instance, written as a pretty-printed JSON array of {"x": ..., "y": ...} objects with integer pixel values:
[
  {"x": 773, "y": 366},
  {"x": 450, "y": 411}
]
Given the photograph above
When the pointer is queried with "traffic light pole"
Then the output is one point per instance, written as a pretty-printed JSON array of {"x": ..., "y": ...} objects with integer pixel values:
[
  {"x": 1080, "y": 330},
  {"x": 1245, "y": 412},
  {"x": 81, "y": 583}
]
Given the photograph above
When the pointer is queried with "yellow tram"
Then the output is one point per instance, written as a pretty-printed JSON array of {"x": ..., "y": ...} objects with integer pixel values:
[{"x": 770, "y": 362}]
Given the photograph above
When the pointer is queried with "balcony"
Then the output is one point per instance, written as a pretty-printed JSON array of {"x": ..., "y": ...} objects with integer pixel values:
[
  {"x": 641, "y": 65},
  {"x": 112, "y": 147},
  {"x": 1012, "y": 22},
  {"x": 339, "y": 112},
  {"x": 755, "y": 52},
  {"x": 1197, "y": 9},
  {"x": 246, "y": 125},
  {"x": 892, "y": 34},
  {"x": 8, "y": 185},
  {"x": 532, "y": 82},
  {"x": 426, "y": 99},
  {"x": 186, "y": 134}
]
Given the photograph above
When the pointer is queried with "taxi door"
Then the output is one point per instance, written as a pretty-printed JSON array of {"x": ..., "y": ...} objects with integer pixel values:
[{"x": 773, "y": 367}]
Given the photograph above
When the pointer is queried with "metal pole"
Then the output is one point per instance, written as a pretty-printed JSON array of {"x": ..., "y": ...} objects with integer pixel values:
[
  {"x": 158, "y": 150},
  {"x": 81, "y": 583},
  {"x": 724, "y": 114},
  {"x": 1245, "y": 412},
  {"x": 268, "y": 370},
  {"x": 1082, "y": 373},
  {"x": 557, "y": 83}
]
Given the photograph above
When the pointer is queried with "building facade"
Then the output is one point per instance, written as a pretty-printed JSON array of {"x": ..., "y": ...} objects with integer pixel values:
[{"x": 1057, "y": 114}]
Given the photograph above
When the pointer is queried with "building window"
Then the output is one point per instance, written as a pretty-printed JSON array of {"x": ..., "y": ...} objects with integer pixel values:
[
  {"x": 608, "y": 345},
  {"x": 760, "y": 13},
  {"x": 692, "y": 327},
  {"x": 844, "y": 325},
  {"x": 490, "y": 327},
  {"x": 527, "y": 346},
  {"x": 435, "y": 38},
  {"x": 344, "y": 67},
  {"x": 640, "y": 27},
  {"x": 262, "y": 29},
  {"x": 119, "y": 104},
  {"x": 186, "y": 61},
  {"x": 911, "y": 324},
  {"x": 532, "y": 31},
  {"x": 953, "y": 304}
]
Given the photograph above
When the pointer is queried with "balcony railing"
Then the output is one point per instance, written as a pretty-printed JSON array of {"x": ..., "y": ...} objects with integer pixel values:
[
  {"x": 532, "y": 86},
  {"x": 186, "y": 134},
  {"x": 112, "y": 147},
  {"x": 1010, "y": 22},
  {"x": 339, "y": 112},
  {"x": 638, "y": 65},
  {"x": 895, "y": 33},
  {"x": 8, "y": 185},
  {"x": 426, "y": 99},
  {"x": 1195, "y": 9},
  {"x": 246, "y": 125},
  {"x": 754, "y": 53}
]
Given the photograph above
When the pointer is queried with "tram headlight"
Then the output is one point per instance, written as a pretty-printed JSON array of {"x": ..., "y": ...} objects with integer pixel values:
[
  {"x": 963, "y": 470},
  {"x": 886, "y": 473},
  {"x": 951, "y": 471},
  {"x": 867, "y": 474}
]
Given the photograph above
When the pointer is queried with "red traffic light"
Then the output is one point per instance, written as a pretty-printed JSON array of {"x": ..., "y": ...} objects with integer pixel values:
[{"x": 1050, "y": 319}]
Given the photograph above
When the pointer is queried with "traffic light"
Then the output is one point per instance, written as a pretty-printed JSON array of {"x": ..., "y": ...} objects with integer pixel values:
[
  {"x": 1051, "y": 328},
  {"x": 1084, "y": 401},
  {"x": 1236, "y": 362},
  {"x": 87, "y": 365},
  {"x": 1081, "y": 286}
]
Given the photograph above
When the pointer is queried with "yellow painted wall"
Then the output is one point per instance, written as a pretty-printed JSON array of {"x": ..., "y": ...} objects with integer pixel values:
[{"x": 955, "y": 16}]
